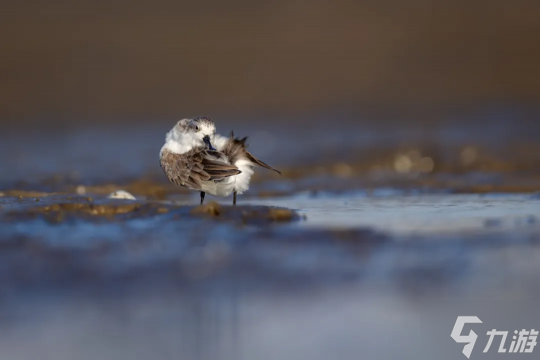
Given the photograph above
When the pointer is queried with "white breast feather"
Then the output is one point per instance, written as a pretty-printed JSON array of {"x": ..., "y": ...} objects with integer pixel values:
[
  {"x": 179, "y": 146},
  {"x": 245, "y": 166},
  {"x": 219, "y": 142},
  {"x": 242, "y": 179}
]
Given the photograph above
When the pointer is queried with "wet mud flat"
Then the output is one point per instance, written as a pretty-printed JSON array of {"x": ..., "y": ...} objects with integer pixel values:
[
  {"x": 105, "y": 233},
  {"x": 303, "y": 237},
  {"x": 124, "y": 279}
]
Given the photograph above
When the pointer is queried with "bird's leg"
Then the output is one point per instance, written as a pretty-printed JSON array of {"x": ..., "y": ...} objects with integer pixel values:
[
  {"x": 234, "y": 198},
  {"x": 202, "y": 196}
]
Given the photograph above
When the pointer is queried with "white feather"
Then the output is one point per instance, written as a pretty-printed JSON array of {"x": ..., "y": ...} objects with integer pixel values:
[
  {"x": 242, "y": 179},
  {"x": 222, "y": 188},
  {"x": 244, "y": 165},
  {"x": 179, "y": 143},
  {"x": 121, "y": 194},
  {"x": 219, "y": 142}
]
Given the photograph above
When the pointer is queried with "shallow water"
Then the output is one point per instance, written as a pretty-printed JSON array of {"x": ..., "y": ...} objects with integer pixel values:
[
  {"x": 350, "y": 260},
  {"x": 173, "y": 283},
  {"x": 435, "y": 215}
]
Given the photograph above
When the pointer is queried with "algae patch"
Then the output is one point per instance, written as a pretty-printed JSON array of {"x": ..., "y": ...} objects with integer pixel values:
[
  {"x": 64, "y": 211},
  {"x": 56, "y": 210},
  {"x": 247, "y": 214}
]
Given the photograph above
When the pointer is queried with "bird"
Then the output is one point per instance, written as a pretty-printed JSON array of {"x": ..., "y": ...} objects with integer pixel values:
[{"x": 197, "y": 158}]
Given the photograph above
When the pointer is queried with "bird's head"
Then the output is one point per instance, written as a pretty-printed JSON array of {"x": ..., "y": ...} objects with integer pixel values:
[{"x": 200, "y": 130}]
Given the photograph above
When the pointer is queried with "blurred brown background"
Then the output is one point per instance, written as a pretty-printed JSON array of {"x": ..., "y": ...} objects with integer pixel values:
[{"x": 103, "y": 60}]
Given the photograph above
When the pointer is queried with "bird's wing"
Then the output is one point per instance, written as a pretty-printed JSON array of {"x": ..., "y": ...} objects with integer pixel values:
[
  {"x": 197, "y": 165},
  {"x": 236, "y": 149}
]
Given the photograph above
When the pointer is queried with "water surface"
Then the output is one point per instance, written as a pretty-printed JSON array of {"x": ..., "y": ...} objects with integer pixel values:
[{"x": 372, "y": 255}]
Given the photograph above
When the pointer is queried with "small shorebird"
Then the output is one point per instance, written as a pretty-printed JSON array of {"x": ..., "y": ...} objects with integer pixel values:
[{"x": 197, "y": 158}]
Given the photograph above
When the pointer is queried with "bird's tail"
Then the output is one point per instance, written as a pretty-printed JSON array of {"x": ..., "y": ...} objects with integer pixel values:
[
  {"x": 237, "y": 148},
  {"x": 254, "y": 160}
]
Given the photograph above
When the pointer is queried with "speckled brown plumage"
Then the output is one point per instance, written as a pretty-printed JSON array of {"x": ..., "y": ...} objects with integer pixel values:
[{"x": 197, "y": 165}]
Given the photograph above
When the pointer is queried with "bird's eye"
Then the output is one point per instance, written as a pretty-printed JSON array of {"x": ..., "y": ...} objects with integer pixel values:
[{"x": 196, "y": 128}]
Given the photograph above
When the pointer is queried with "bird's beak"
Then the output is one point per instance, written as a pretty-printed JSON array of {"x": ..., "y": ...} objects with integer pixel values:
[{"x": 206, "y": 140}]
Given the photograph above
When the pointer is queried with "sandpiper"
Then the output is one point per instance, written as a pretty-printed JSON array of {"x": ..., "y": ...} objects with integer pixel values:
[{"x": 197, "y": 158}]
